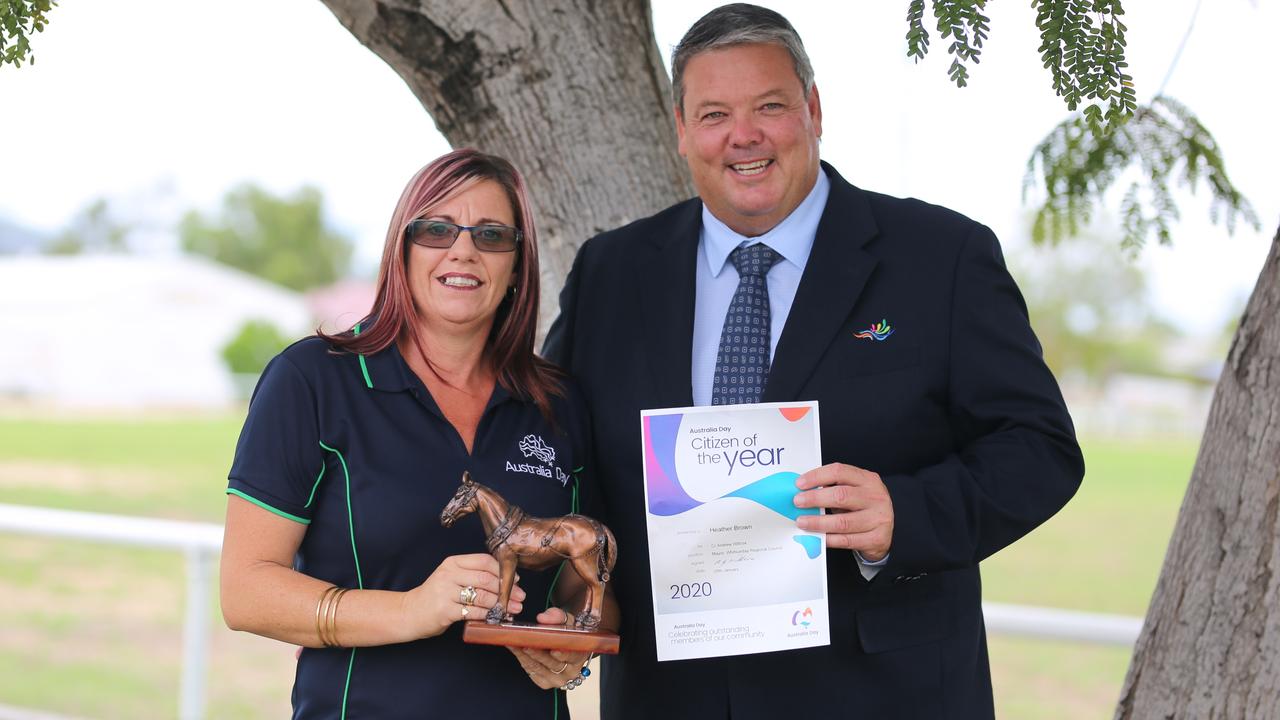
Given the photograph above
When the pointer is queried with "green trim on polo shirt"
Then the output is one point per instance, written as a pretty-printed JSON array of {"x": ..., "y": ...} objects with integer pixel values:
[
  {"x": 268, "y": 508},
  {"x": 317, "y": 485},
  {"x": 351, "y": 523},
  {"x": 347, "y": 687},
  {"x": 364, "y": 367},
  {"x": 355, "y": 555}
]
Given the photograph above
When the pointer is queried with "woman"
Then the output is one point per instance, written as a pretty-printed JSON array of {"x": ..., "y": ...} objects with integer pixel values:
[{"x": 355, "y": 442}]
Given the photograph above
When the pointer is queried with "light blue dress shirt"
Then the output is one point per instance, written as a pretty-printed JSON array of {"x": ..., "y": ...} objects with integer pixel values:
[{"x": 717, "y": 280}]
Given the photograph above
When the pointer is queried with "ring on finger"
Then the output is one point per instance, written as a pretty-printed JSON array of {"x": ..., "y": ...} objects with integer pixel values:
[
  {"x": 467, "y": 595},
  {"x": 562, "y": 668},
  {"x": 465, "y": 612}
]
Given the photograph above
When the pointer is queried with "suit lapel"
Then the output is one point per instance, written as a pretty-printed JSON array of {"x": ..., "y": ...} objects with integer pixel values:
[
  {"x": 667, "y": 271},
  {"x": 834, "y": 277}
]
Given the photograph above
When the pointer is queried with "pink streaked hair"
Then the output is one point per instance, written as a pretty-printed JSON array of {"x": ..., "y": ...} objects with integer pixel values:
[{"x": 510, "y": 344}]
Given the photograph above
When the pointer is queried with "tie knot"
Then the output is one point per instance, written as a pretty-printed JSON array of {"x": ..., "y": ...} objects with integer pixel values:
[{"x": 754, "y": 260}]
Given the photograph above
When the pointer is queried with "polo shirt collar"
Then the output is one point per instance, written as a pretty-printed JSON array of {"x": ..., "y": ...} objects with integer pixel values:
[
  {"x": 388, "y": 371},
  {"x": 792, "y": 238}
]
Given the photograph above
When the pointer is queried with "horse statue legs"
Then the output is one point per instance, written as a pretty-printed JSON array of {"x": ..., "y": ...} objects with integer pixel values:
[{"x": 507, "y": 562}]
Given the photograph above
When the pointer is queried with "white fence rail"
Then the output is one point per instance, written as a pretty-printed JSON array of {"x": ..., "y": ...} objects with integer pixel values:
[{"x": 201, "y": 543}]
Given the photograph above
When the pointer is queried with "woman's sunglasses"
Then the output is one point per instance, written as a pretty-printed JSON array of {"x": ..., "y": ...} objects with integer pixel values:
[{"x": 441, "y": 234}]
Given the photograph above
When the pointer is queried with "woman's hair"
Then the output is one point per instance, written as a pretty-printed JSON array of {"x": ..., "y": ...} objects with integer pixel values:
[{"x": 510, "y": 344}]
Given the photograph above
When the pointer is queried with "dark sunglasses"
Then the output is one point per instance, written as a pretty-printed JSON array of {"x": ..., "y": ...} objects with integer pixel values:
[{"x": 441, "y": 234}]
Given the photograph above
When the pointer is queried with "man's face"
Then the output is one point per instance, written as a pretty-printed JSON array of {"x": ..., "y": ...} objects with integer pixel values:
[{"x": 749, "y": 135}]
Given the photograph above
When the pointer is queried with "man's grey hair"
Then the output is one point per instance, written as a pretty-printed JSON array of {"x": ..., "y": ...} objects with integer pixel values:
[{"x": 738, "y": 24}]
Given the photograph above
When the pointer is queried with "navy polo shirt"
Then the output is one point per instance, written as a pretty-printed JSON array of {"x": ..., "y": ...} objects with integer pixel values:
[{"x": 356, "y": 448}]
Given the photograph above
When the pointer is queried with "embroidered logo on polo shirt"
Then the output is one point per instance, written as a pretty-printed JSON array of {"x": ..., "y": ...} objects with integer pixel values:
[{"x": 533, "y": 446}]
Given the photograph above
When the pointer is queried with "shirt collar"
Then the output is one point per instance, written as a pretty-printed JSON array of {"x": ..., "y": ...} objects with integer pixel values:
[
  {"x": 792, "y": 238},
  {"x": 390, "y": 372}
]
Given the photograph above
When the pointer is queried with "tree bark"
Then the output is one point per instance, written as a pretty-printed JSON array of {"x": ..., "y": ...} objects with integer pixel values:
[
  {"x": 1210, "y": 646},
  {"x": 573, "y": 92}
]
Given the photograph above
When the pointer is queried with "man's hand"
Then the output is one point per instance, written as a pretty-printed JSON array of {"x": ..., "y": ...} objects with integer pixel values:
[{"x": 859, "y": 512}]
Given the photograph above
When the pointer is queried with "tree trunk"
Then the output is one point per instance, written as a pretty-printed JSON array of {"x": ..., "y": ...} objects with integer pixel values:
[
  {"x": 1210, "y": 646},
  {"x": 573, "y": 92}
]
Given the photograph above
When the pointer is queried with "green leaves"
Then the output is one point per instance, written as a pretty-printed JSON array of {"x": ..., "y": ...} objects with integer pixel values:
[
  {"x": 1163, "y": 143},
  {"x": 18, "y": 19},
  {"x": 1082, "y": 46},
  {"x": 917, "y": 36},
  {"x": 960, "y": 20}
]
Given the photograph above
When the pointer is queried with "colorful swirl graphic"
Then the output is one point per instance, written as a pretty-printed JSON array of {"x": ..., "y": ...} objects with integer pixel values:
[
  {"x": 878, "y": 331},
  {"x": 801, "y": 617}
]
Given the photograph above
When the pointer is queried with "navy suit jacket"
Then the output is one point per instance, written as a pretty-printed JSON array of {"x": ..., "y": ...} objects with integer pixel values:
[{"x": 956, "y": 410}]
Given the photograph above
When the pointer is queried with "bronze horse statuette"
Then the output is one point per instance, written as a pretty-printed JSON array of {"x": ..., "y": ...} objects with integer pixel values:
[{"x": 516, "y": 539}]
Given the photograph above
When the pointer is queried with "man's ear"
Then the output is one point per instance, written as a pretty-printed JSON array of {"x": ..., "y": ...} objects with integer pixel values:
[
  {"x": 679, "y": 116},
  {"x": 815, "y": 111}
]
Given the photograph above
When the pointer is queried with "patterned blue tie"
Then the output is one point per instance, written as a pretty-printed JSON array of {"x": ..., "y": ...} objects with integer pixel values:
[{"x": 742, "y": 363}]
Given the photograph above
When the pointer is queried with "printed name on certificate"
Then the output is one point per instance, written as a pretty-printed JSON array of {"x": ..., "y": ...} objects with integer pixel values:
[{"x": 732, "y": 574}]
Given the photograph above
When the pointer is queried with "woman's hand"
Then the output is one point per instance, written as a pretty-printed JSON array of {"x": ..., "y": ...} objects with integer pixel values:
[
  {"x": 550, "y": 669},
  {"x": 438, "y": 602}
]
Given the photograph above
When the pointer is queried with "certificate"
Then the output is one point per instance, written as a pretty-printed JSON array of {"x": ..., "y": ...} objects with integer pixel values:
[{"x": 732, "y": 574}]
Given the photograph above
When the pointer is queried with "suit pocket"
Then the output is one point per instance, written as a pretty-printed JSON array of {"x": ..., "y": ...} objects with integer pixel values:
[
  {"x": 883, "y": 628},
  {"x": 875, "y": 358}
]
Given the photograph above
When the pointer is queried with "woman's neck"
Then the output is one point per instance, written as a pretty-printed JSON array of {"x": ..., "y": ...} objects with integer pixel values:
[{"x": 455, "y": 358}]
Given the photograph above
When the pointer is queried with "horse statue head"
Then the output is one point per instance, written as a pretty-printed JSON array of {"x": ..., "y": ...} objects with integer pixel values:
[{"x": 463, "y": 502}]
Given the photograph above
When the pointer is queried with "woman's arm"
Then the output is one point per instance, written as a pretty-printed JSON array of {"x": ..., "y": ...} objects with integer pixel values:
[{"x": 264, "y": 595}]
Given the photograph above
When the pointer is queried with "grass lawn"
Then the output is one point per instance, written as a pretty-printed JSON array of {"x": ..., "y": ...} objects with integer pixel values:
[
  {"x": 95, "y": 630},
  {"x": 1102, "y": 553}
]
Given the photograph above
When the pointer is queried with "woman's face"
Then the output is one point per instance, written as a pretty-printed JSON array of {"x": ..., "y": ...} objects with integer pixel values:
[{"x": 460, "y": 286}]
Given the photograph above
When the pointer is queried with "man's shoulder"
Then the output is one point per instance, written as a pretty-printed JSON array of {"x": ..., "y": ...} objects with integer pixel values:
[
  {"x": 896, "y": 213},
  {"x": 655, "y": 227}
]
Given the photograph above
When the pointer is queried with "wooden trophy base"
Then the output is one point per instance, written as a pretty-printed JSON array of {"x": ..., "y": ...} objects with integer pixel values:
[{"x": 542, "y": 637}]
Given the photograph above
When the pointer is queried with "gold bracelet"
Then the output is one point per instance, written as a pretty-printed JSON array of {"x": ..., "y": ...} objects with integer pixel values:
[
  {"x": 333, "y": 617},
  {"x": 322, "y": 610}
]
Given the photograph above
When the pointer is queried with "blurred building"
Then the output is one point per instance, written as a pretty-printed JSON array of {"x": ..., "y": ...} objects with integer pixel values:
[
  {"x": 129, "y": 331},
  {"x": 342, "y": 304},
  {"x": 1129, "y": 405}
]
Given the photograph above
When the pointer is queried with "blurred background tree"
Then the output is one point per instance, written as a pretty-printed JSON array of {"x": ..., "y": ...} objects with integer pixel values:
[
  {"x": 282, "y": 239},
  {"x": 93, "y": 229},
  {"x": 253, "y": 347},
  {"x": 1090, "y": 307}
]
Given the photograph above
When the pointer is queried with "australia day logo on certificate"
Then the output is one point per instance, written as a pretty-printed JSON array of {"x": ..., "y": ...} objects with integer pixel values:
[{"x": 727, "y": 560}]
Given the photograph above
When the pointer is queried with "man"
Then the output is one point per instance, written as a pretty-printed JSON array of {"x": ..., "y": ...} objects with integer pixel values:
[{"x": 944, "y": 435}]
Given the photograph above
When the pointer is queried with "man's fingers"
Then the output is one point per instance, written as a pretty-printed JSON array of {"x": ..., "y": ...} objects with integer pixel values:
[
  {"x": 843, "y": 523},
  {"x": 861, "y": 542},
  {"x": 839, "y": 497},
  {"x": 835, "y": 474}
]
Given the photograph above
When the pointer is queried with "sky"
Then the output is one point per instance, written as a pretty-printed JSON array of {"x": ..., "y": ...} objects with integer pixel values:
[{"x": 163, "y": 105}]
